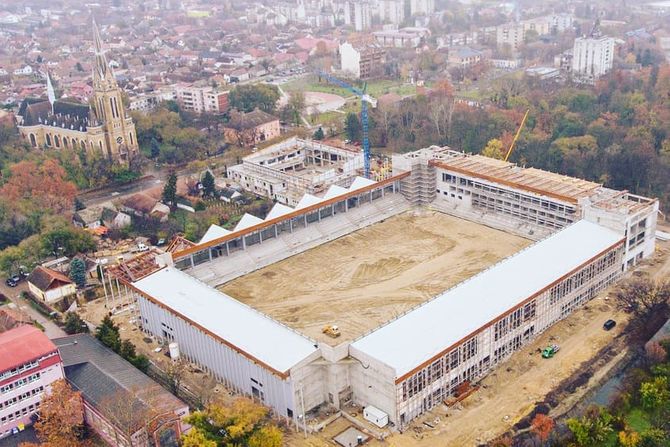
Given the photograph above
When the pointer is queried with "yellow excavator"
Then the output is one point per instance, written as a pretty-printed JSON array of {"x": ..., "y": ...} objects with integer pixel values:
[{"x": 516, "y": 137}]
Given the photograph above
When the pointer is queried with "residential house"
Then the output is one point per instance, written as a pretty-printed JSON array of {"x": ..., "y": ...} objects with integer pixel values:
[
  {"x": 401, "y": 38},
  {"x": 50, "y": 285},
  {"x": 115, "y": 219},
  {"x": 143, "y": 205},
  {"x": 121, "y": 404},
  {"x": 463, "y": 57},
  {"x": 229, "y": 195},
  {"x": 11, "y": 318},
  {"x": 88, "y": 217},
  {"x": 248, "y": 129}
]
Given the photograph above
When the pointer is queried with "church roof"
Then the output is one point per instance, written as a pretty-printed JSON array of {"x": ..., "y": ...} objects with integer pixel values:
[{"x": 66, "y": 114}]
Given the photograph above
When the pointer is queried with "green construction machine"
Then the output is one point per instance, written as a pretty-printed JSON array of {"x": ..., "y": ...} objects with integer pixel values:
[{"x": 550, "y": 351}]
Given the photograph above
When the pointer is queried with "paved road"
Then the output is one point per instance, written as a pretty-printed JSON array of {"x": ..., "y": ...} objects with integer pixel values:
[
  {"x": 115, "y": 192},
  {"x": 13, "y": 293}
]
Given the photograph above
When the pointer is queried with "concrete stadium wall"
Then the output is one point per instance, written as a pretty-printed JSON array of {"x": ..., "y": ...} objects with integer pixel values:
[
  {"x": 235, "y": 370},
  {"x": 405, "y": 398}
]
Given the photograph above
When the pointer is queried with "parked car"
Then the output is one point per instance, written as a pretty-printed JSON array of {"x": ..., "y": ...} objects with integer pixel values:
[
  {"x": 11, "y": 283},
  {"x": 609, "y": 324}
]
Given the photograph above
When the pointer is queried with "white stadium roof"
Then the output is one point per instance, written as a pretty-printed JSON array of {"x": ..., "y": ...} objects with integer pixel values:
[
  {"x": 426, "y": 331},
  {"x": 278, "y": 210},
  {"x": 213, "y": 232},
  {"x": 248, "y": 220},
  {"x": 248, "y": 330}
]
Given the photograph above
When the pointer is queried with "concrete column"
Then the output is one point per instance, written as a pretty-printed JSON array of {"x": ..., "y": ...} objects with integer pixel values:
[
  {"x": 104, "y": 286},
  {"x": 227, "y": 250},
  {"x": 111, "y": 289},
  {"x": 209, "y": 252},
  {"x": 118, "y": 289},
  {"x": 191, "y": 259},
  {"x": 276, "y": 232}
]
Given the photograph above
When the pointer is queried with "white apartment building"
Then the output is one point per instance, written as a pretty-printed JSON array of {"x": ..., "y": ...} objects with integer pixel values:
[
  {"x": 510, "y": 36},
  {"x": 421, "y": 7},
  {"x": 201, "y": 99},
  {"x": 514, "y": 34},
  {"x": 358, "y": 14},
  {"x": 391, "y": 11},
  {"x": 148, "y": 101},
  {"x": 592, "y": 57}
]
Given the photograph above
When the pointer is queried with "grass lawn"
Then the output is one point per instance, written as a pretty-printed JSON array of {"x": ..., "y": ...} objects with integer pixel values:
[
  {"x": 375, "y": 88},
  {"x": 327, "y": 118},
  {"x": 638, "y": 420}
]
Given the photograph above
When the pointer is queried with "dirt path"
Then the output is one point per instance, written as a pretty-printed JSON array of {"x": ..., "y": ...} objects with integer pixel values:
[
  {"x": 364, "y": 279},
  {"x": 511, "y": 391}
]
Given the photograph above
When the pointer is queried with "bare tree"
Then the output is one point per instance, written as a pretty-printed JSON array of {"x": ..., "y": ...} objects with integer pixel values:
[
  {"x": 174, "y": 373},
  {"x": 642, "y": 296},
  {"x": 135, "y": 409},
  {"x": 203, "y": 390}
]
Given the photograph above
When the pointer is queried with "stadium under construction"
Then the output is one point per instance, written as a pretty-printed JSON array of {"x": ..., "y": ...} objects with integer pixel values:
[{"x": 579, "y": 237}]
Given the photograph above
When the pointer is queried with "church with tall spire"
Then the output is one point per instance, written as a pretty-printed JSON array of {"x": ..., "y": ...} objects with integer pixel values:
[{"x": 104, "y": 128}]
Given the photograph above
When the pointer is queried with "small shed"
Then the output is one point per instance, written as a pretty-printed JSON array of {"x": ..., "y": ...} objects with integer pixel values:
[{"x": 376, "y": 416}]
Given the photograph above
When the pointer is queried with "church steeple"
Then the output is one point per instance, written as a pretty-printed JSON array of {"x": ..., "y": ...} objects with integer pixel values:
[
  {"x": 101, "y": 70},
  {"x": 108, "y": 106},
  {"x": 51, "y": 93}
]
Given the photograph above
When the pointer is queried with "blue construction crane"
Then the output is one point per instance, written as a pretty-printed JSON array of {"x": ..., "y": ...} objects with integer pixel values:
[{"x": 365, "y": 99}]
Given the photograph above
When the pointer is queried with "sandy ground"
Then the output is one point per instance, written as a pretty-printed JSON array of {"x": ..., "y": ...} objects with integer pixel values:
[
  {"x": 511, "y": 391},
  {"x": 318, "y": 102},
  {"x": 364, "y": 279},
  {"x": 508, "y": 393}
]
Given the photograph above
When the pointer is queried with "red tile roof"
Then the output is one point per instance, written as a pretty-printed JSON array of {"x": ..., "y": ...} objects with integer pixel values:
[
  {"x": 21, "y": 345},
  {"x": 45, "y": 278}
]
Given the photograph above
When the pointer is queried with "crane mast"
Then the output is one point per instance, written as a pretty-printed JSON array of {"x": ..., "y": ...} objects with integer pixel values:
[{"x": 365, "y": 123}]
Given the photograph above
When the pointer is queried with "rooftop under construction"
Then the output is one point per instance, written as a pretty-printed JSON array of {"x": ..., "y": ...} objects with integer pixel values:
[{"x": 286, "y": 171}]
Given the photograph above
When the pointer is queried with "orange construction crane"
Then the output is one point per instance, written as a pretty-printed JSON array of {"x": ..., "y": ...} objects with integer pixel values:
[{"x": 516, "y": 137}]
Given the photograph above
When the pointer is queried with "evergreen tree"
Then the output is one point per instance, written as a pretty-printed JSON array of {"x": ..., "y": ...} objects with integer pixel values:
[
  {"x": 78, "y": 272},
  {"x": 352, "y": 127},
  {"x": 170, "y": 190},
  {"x": 319, "y": 135},
  {"x": 108, "y": 334},
  {"x": 155, "y": 148},
  {"x": 74, "y": 324},
  {"x": 78, "y": 204},
  {"x": 140, "y": 362},
  {"x": 127, "y": 350},
  {"x": 208, "y": 185}
]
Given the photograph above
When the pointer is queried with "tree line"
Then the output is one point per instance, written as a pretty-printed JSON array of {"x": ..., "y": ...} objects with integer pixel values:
[{"x": 615, "y": 133}]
